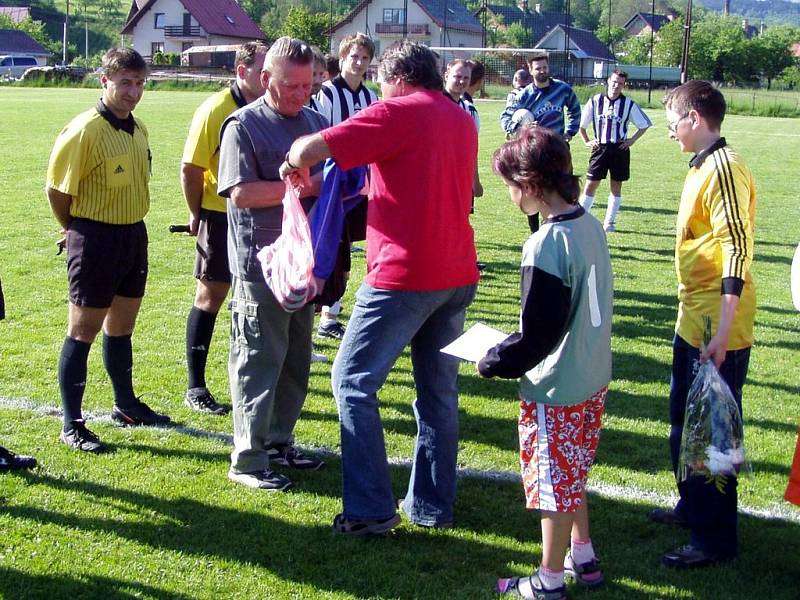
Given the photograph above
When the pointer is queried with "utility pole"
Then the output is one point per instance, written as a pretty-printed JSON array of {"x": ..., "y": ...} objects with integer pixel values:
[
  {"x": 66, "y": 34},
  {"x": 687, "y": 30},
  {"x": 566, "y": 41},
  {"x": 610, "y": 45},
  {"x": 444, "y": 29},
  {"x": 652, "y": 40}
]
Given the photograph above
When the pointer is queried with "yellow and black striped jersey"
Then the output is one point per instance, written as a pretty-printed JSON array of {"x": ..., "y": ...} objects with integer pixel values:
[
  {"x": 714, "y": 244},
  {"x": 104, "y": 164}
]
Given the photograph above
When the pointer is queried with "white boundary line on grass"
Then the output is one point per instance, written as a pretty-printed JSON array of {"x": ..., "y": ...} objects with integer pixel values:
[{"x": 776, "y": 512}]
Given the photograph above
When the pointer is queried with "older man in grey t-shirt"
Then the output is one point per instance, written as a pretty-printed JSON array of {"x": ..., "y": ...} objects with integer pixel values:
[{"x": 270, "y": 348}]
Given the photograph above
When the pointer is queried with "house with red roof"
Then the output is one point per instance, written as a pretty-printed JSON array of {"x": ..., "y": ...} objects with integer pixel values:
[
  {"x": 433, "y": 22},
  {"x": 177, "y": 25}
]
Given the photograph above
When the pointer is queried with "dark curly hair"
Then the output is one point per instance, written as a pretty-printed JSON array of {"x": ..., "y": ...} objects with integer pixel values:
[
  {"x": 541, "y": 158},
  {"x": 411, "y": 62}
]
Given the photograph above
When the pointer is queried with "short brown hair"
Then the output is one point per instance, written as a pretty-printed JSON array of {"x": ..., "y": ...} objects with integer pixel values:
[
  {"x": 620, "y": 73},
  {"x": 319, "y": 58},
  {"x": 700, "y": 96},
  {"x": 460, "y": 61},
  {"x": 246, "y": 54},
  {"x": 539, "y": 56},
  {"x": 291, "y": 49},
  {"x": 332, "y": 65},
  {"x": 357, "y": 39},
  {"x": 541, "y": 158},
  {"x": 117, "y": 59},
  {"x": 477, "y": 73}
]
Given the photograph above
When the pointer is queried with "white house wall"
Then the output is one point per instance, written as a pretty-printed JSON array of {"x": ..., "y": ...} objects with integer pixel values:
[
  {"x": 372, "y": 15},
  {"x": 145, "y": 34}
]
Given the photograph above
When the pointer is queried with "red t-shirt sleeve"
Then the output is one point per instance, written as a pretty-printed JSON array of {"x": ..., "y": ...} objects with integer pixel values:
[{"x": 369, "y": 136}]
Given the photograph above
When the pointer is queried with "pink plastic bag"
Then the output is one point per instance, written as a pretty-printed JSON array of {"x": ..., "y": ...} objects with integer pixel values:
[{"x": 288, "y": 263}]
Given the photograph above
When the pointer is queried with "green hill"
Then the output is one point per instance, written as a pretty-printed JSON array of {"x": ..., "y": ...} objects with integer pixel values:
[
  {"x": 772, "y": 12},
  {"x": 101, "y": 19}
]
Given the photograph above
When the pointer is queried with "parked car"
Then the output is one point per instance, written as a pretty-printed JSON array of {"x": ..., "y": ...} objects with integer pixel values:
[
  {"x": 57, "y": 73},
  {"x": 15, "y": 66}
]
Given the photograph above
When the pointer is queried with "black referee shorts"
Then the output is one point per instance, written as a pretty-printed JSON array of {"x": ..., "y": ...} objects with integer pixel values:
[
  {"x": 212, "y": 247},
  {"x": 104, "y": 261},
  {"x": 611, "y": 158}
]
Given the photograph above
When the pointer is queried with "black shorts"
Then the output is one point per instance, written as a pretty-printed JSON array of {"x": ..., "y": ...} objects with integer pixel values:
[
  {"x": 356, "y": 221},
  {"x": 609, "y": 157},
  {"x": 104, "y": 261},
  {"x": 212, "y": 247}
]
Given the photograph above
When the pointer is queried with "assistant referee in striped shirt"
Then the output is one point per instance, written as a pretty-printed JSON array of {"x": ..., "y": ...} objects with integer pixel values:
[
  {"x": 97, "y": 185},
  {"x": 610, "y": 114}
]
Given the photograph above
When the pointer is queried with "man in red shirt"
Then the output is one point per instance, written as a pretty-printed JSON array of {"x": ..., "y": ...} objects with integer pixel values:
[{"x": 421, "y": 276}]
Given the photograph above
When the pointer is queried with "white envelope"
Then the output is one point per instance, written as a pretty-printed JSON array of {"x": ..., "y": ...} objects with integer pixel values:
[{"x": 475, "y": 342}]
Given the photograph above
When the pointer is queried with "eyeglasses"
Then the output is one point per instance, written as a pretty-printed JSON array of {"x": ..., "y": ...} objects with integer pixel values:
[{"x": 673, "y": 127}]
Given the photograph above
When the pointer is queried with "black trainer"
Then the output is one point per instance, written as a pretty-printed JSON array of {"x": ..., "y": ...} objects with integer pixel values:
[
  {"x": 78, "y": 437},
  {"x": 201, "y": 400},
  {"x": 9, "y": 461},
  {"x": 138, "y": 414},
  {"x": 333, "y": 330},
  {"x": 266, "y": 480},
  {"x": 287, "y": 455}
]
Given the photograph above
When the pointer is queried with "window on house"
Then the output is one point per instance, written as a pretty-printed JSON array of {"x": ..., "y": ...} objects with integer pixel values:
[
  {"x": 393, "y": 15},
  {"x": 158, "y": 20},
  {"x": 156, "y": 47},
  {"x": 229, "y": 19}
]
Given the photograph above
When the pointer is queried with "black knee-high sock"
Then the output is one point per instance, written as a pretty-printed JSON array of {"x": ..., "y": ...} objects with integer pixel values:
[
  {"x": 72, "y": 378},
  {"x": 118, "y": 358},
  {"x": 199, "y": 330}
]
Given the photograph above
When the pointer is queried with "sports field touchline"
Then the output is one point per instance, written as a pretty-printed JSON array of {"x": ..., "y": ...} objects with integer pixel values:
[{"x": 776, "y": 512}]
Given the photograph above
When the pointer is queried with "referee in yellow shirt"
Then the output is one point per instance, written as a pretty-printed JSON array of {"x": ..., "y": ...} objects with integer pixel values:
[
  {"x": 97, "y": 182},
  {"x": 208, "y": 218}
]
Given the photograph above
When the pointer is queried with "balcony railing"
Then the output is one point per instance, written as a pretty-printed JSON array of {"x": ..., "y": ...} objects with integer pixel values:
[
  {"x": 179, "y": 31},
  {"x": 413, "y": 28}
]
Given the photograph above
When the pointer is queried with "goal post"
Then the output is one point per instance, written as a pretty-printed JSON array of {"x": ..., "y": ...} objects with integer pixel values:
[{"x": 500, "y": 63}]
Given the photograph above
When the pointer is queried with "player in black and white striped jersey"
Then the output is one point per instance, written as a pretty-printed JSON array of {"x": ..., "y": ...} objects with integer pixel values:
[
  {"x": 610, "y": 114},
  {"x": 456, "y": 80},
  {"x": 345, "y": 94},
  {"x": 341, "y": 97}
]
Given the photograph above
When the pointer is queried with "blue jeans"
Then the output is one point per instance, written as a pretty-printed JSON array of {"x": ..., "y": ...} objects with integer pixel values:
[
  {"x": 382, "y": 324},
  {"x": 711, "y": 515}
]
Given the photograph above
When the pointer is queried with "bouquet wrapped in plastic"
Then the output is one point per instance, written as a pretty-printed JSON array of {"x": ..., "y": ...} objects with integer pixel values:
[
  {"x": 288, "y": 263},
  {"x": 713, "y": 436}
]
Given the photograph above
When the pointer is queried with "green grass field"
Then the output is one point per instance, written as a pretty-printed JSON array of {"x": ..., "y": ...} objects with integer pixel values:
[{"x": 157, "y": 518}]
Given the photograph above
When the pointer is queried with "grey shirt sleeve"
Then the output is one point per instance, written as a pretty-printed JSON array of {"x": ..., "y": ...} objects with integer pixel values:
[{"x": 237, "y": 159}]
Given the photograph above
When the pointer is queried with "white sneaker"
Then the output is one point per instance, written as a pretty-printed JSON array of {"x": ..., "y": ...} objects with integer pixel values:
[
  {"x": 609, "y": 228},
  {"x": 318, "y": 358},
  {"x": 262, "y": 480}
]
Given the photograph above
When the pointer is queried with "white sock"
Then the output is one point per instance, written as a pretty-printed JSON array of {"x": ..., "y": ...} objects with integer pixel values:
[
  {"x": 329, "y": 313},
  {"x": 613, "y": 208},
  {"x": 582, "y": 551},
  {"x": 586, "y": 202},
  {"x": 551, "y": 580}
]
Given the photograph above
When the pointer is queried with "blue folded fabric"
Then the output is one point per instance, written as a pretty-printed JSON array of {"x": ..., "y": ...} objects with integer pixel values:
[{"x": 339, "y": 194}]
